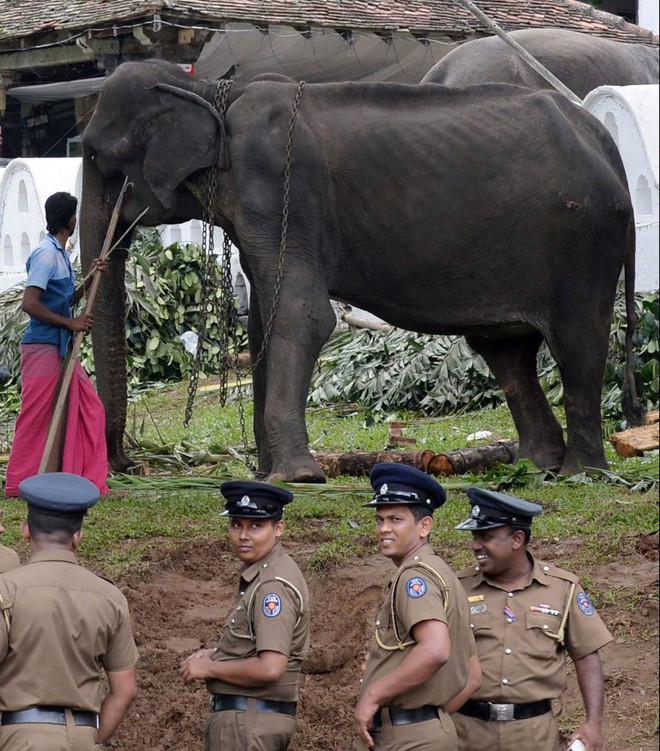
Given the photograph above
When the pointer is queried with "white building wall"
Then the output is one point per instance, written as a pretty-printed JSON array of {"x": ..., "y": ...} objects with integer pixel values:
[
  {"x": 647, "y": 15},
  {"x": 631, "y": 113}
]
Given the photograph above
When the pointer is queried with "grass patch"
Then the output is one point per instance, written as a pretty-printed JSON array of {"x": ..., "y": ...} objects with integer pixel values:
[{"x": 603, "y": 514}]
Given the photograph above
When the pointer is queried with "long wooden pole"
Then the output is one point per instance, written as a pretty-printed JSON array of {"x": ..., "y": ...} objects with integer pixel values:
[
  {"x": 529, "y": 59},
  {"x": 51, "y": 459}
]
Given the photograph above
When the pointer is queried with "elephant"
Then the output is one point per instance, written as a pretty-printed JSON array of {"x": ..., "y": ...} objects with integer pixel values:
[
  {"x": 580, "y": 61},
  {"x": 492, "y": 212}
]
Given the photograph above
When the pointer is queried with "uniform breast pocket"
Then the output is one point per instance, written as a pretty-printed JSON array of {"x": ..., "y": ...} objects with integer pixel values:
[
  {"x": 481, "y": 622},
  {"x": 238, "y": 622},
  {"x": 541, "y": 632}
]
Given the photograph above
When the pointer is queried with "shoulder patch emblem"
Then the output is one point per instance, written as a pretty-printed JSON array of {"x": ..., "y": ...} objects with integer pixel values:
[
  {"x": 272, "y": 606},
  {"x": 584, "y": 603},
  {"x": 416, "y": 587}
]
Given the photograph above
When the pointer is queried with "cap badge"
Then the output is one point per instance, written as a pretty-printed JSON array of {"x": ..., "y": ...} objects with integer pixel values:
[
  {"x": 246, "y": 502},
  {"x": 383, "y": 488},
  {"x": 476, "y": 512}
]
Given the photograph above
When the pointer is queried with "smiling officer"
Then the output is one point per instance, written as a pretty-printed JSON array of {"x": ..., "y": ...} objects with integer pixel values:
[
  {"x": 424, "y": 655},
  {"x": 526, "y": 616},
  {"x": 254, "y": 671}
]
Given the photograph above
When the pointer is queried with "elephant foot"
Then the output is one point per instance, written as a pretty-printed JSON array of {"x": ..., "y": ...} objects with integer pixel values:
[
  {"x": 122, "y": 463},
  {"x": 575, "y": 464},
  {"x": 550, "y": 458},
  {"x": 308, "y": 471}
]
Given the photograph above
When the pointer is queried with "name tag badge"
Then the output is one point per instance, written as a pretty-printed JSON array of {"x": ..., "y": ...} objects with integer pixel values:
[{"x": 476, "y": 598}]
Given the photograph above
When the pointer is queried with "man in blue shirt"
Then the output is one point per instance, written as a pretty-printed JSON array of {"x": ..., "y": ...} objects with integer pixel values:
[{"x": 50, "y": 292}]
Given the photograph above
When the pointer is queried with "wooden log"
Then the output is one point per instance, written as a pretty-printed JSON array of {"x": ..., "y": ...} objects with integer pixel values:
[
  {"x": 652, "y": 417},
  {"x": 360, "y": 463},
  {"x": 635, "y": 441},
  {"x": 473, "y": 460}
]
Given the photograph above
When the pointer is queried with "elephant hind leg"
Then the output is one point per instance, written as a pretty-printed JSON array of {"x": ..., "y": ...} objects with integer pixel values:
[{"x": 513, "y": 363}]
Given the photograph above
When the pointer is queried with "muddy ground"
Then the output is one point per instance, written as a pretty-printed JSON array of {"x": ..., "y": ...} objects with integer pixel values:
[{"x": 180, "y": 594}]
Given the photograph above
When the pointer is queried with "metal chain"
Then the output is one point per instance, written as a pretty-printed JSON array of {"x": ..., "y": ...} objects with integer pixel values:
[
  {"x": 224, "y": 303},
  {"x": 209, "y": 272},
  {"x": 285, "y": 225}
]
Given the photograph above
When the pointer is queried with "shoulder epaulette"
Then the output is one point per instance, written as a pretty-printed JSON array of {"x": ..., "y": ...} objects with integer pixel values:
[{"x": 559, "y": 573}]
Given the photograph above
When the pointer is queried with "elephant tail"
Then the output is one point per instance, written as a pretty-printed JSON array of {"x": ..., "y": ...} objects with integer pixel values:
[{"x": 633, "y": 408}]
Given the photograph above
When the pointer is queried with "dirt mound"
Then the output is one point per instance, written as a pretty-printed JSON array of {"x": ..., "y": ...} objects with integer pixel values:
[{"x": 180, "y": 594}]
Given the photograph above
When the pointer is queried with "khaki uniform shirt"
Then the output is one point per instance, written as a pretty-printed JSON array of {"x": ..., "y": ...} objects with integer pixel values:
[
  {"x": 520, "y": 660},
  {"x": 419, "y": 595},
  {"x": 8, "y": 559},
  {"x": 66, "y": 624},
  {"x": 272, "y": 615}
]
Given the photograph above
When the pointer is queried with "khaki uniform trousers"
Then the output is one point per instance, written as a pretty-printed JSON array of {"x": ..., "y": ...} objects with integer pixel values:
[
  {"x": 432, "y": 735},
  {"x": 535, "y": 734},
  {"x": 248, "y": 731},
  {"x": 38, "y": 737}
]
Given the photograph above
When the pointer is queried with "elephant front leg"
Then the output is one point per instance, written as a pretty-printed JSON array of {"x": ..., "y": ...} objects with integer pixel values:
[
  {"x": 513, "y": 363},
  {"x": 303, "y": 323}
]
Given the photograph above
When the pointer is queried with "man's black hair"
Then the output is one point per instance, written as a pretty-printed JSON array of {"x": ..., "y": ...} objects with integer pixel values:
[
  {"x": 60, "y": 207},
  {"x": 419, "y": 512},
  {"x": 526, "y": 530},
  {"x": 57, "y": 527}
]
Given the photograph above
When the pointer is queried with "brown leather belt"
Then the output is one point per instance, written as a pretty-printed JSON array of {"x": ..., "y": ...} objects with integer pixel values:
[
  {"x": 229, "y": 702},
  {"x": 491, "y": 711},
  {"x": 400, "y": 716},
  {"x": 49, "y": 716}
]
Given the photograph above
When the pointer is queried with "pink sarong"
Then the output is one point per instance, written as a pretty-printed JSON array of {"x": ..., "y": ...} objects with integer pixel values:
[{"x": 84, "y": 451}]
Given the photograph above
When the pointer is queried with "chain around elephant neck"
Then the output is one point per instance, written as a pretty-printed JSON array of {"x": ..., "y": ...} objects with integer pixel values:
[{"x": 209, "y": 274}]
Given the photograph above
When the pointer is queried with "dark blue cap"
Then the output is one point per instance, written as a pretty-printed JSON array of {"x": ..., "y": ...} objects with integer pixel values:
[
  {"x": 250, "y": 499},
  {"x": 491, "y": 509},
  {"x": 59, "y": 493},
  {"x": 401, "y": 485}
]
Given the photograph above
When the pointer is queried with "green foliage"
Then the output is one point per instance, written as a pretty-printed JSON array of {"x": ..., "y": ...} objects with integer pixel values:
[
  {"x": 402, "y": 371},
  {"x": 164, "y": 294},
  {"x": 438, "y": 375}
]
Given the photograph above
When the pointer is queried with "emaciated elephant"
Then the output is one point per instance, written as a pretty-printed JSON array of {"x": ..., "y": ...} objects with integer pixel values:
[
  {"x": 492, "y": 212},
  {"x": 580, "y": 61}
]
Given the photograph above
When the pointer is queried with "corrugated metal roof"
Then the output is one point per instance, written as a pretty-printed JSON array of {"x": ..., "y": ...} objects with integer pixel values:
[{"x": 23, "y": 18}]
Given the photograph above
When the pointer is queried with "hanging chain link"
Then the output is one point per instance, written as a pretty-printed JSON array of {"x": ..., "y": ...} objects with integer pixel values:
[
  {"x": 209, "y": 272},
  {"x": 285, "y": 225},
  {"x": 223, "y": 303}
]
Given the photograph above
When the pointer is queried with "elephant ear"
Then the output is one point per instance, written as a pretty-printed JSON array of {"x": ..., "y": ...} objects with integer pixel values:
[{"x": 186, "y": 136}]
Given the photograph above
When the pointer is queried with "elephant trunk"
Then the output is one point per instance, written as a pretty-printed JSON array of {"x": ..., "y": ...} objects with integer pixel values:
[{"x": 108, "y": 333}]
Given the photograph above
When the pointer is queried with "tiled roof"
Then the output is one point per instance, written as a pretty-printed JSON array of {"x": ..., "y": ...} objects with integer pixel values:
[{"x": 24, "y": 18}]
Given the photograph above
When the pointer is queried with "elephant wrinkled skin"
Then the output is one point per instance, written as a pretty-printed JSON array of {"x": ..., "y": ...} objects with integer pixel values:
[
  {"x": 580, "y": 61},
  {"x": 492, "y": 212}
]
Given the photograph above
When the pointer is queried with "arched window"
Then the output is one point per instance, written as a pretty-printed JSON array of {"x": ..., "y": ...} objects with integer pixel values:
[
  {"x": 643, "y": 203},
  {"x": 25, "y": 246},
  {"x": 23, "y": 207},
  {"x": 610, "y": 124},
  {"x": 8, "y": 251}
]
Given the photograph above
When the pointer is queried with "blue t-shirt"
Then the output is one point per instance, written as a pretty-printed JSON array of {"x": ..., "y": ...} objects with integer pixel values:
[{"x": 50, "y": 269}]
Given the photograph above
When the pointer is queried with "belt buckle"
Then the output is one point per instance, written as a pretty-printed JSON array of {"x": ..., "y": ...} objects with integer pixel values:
[{"x": 501, "y": 712}]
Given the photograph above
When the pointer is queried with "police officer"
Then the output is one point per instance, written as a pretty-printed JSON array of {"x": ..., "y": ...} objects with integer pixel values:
[
  {"x": 253, "y": 672},
  {"x": 60, "y": 624},
  {"x": 526, "y": 616},
  {"x": 421, "y": 656},
  {"x": 8, "y": 558}
]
